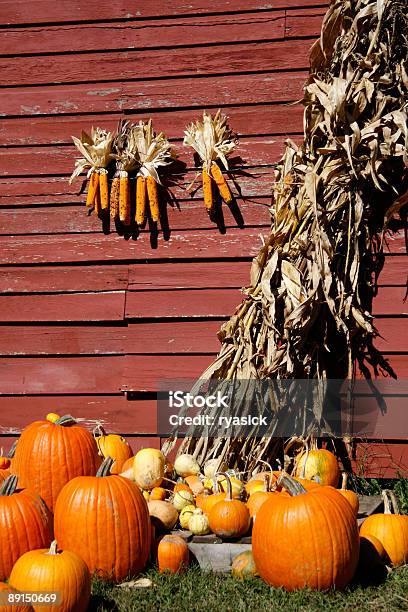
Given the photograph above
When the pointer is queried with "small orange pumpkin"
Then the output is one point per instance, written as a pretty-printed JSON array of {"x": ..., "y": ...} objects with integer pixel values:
[
  {"x": 4, "y": 461},
  {"x": 229, "y": 518},
  {"x": 112, "y": 445},
  {"x": 372, "y": 559},
  {"x": 351, "y": 497},
  {"x": 54, "y": 571},
  {"x": 172, "y": 554},
  {"x": 157, "y": 493},
  {"x": 318, "y": 464},
  {"x": 391, "y": 529},
  {"x": 25, "y": 524},
  {"x": 257, "y": 499},
  {"x": 128, "y": 464}
]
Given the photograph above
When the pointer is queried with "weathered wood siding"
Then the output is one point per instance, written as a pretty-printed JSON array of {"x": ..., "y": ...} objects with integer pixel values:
[{"x": 87, "y": 315}]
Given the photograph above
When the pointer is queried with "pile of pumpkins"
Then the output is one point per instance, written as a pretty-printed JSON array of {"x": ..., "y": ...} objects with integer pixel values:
[{"x": 73, "y": 503}]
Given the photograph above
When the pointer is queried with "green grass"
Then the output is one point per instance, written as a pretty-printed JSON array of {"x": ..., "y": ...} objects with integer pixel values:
[{"x": 196, "y": 590}]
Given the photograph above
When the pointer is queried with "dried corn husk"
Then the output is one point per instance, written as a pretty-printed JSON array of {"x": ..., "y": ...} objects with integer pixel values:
[
  {"x": 96, "y": 150},
  {"x": 211, "y": 138},
  {"x": 154, "y": 150},
  {"x": 307, "y": 311}
]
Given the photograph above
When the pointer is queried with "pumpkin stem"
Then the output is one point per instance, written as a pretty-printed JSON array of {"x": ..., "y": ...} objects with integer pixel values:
[
  {"x": 390, "y": 502},
  {"x": 12, "y": 450},
  {"x": 98, "y": 431},
  {"x": 344, "y": 478},
  {"x": 66, "y": 420},
  {"x": 267, "y": 482},
  {"x": 267, "y": 464},
  {"x": 53, "y": 548},
  {"x": 105, "y": 467},
  {"x": 292, "y": 486},
  {"x": 229, "y": 485},
  {"x": 9, "y": 486}
]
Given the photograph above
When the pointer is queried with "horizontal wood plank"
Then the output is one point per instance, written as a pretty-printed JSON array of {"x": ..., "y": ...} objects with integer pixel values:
[
  {"x": 65, "y": 375},
  {"x": 63, "y": 280},
  {"x": 36, "y": 161},
  {"x": 187, "y": 215},
  {"x": 273, "y": 119},
  {"x": 45, "y": 11},
  {"x": 182, "y": 303},
  {"x": 147, "y": 64},
  {"x": 134, "y": 34},
  {"x": 78, "y": 248},
  {"x": 115, "y": 412},
  {"x": 233, "y": 274},
  {"x": 74, "y": 279},
  {"x": 167, "y": 94},
  {"x": 94, "y": 375},
  {"x": 63, "y": 307},
  {"x": 186, "y": 336}
]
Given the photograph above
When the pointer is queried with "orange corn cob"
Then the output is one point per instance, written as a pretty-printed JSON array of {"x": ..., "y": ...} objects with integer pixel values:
[
  {"x": 114, "y": 197},
  {"x": 103, "y": 188},
  {"x": 124, "y": 198},
  {"x": 97, "y": 202},
  {"x": 221, "y": 183},
  {"x": 140, "y": 200},
  {"x": 207, "y": 190},
  {"x": 153, "y": 198},
  {"x": 92, "y": 188}
]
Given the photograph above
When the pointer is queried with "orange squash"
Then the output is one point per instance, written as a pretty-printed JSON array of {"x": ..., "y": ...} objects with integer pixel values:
[
  {"x": 48, "y": 455},
  {"x": 243, "y": 566},
  {"x": 54, "y": 571},
  {"x": 105, "y": 520},
  {"x": 351, "y": 497},
  {"x": 112, "y": 445},
  {"x": 391, "y": 529},
  {"x": 228, "y": 518},
  {"x": 307, "y": 540},
  {"x": 25, "y": 524},
  {"x": 172, "y": 554},
  {"x": 128, "y": 464}
]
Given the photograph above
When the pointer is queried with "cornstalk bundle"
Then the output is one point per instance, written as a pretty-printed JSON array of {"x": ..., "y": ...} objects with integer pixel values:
[{"x": 306, "y": 313}]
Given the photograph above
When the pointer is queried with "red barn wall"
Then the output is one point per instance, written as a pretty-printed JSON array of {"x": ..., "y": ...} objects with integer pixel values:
[{"x": 85, "y": 315}]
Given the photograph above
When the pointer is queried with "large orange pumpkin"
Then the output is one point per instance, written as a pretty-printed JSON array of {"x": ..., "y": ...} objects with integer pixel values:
[
  {"x": 105, "y": 520},
  {"x": 318, "y": 464},
  {"x": 307, "y": 540},
  {"x": 229, "y": 518},
  {"x": 48, "y": 455},
  {"x": 25, "y": 524},
  {"x": 6, "y": 604},
  {"x": 112, "y": 445},
  {"x": 172, "y": 554},
  {"x": 390, "y": 529},
  {"x": 53, "y": 571}
]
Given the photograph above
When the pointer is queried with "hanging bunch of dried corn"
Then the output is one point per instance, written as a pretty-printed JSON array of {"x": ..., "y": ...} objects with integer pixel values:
[
  {"x": 96, "y": 149},
  {"x": 307, "y": 311},
  {"x": 136, "y": 151},
  {"x": 213, "y": 140},
  {"x": 154, "y": 151}
]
